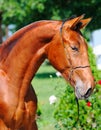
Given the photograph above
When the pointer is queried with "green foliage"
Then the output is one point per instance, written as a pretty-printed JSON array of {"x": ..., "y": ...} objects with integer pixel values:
[
  {"x": 23, "y": 12},
  {"x": 89, "y": 117},
  {"x": 46, "y": 84}
]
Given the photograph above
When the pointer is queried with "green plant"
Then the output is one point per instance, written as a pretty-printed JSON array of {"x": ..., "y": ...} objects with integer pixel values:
[
  {"x": 89, "y": 116},
  {"x": 46, "y": 84}
]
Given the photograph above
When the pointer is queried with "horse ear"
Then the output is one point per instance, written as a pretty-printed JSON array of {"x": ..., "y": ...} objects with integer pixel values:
[
  {"x": 73, "y": 22},
  {"x": 84, "y": 22}
]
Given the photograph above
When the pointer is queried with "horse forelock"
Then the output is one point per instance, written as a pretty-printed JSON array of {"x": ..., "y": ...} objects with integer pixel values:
[{"x": 70, "y": 18}]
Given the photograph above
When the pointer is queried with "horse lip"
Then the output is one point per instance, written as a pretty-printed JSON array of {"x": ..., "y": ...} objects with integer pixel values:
[{"x": 80, "y": 97}]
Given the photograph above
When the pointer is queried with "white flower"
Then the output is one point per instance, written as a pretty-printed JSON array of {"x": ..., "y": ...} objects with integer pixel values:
[
  {"x": 88, "y": 120},
  {"x": 58, "y": 74},
  {"x": 52, "y": 99},
  {"x": 94, "y": 125},
  {"x": 50, "y": 76}
]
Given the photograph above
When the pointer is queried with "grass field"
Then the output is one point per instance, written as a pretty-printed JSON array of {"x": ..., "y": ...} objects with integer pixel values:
[{"x": 46, "y": 83}]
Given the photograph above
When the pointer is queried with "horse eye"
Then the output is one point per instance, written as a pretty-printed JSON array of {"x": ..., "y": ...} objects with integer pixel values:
[{"x": 74, "y": 48}]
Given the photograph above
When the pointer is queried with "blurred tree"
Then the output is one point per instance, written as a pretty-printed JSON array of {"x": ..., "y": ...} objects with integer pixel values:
[
  {"x": 0, "y": 27},
  {"x": 21, "y": 12}
]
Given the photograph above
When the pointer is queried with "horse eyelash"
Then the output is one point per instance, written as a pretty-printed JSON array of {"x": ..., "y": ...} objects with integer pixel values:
[{"x": 74, "y": 48}]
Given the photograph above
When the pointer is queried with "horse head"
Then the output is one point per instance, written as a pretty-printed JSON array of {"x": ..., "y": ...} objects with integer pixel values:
[{"x": 71, "y": 56}]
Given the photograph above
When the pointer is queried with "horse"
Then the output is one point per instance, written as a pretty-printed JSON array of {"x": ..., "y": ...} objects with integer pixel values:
[{"x": 21, "y": 55}]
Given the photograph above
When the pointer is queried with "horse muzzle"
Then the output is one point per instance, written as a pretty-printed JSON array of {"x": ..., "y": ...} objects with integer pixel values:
[
  {"x": 83, "y": 95},
  {"x": 83, "y": 90}
]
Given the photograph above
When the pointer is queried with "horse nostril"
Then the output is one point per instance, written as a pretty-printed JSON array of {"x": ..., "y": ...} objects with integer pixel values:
[{"x": 88, "y": 93}]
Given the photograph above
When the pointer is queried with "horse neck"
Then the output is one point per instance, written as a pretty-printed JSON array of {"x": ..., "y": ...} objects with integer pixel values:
[{"x": 24, "y": 55}]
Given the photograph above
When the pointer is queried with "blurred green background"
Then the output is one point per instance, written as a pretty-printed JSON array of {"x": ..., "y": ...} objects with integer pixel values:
[
  {"x": 15, "y": 14},
  {"x": 22, "y": 12}
]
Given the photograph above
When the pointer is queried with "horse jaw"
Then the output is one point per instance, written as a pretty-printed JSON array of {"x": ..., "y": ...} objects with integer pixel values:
[{"x": 83, "y": 89}]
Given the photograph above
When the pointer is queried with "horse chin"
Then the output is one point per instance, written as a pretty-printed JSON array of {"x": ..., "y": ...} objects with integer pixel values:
[{"x": 79, "y": 96}]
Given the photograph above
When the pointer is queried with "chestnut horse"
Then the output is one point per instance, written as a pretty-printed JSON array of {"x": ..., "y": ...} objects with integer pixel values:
[{"x": 21, "y": 56}]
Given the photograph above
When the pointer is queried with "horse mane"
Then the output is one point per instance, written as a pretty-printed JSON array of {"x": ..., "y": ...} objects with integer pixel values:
[
  {"x": 7, "y": 45},
  {"x": 11, "y": 41},
  {"x": 70, "y": 18},
  {"x": 18, "y": 34}
]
